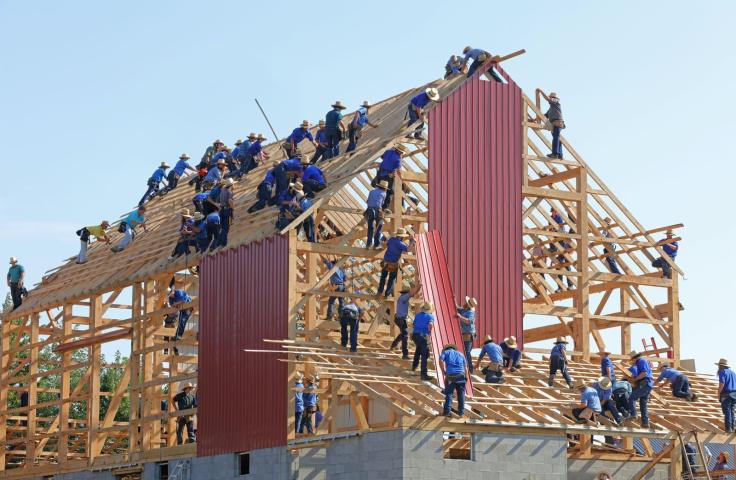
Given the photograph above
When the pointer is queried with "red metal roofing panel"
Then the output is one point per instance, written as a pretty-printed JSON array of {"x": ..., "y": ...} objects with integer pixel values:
[
  {"x": 437, "y": 288},
  {"x": 475, "y": 179},
  {"x": 242, "y": 396}
]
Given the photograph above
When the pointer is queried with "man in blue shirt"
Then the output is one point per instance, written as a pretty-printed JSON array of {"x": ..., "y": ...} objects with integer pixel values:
[
  {"x": 401, "y": 318},
  {"x": 562, "y": 261},
  {"x": 214, "y": 175},
  {"x": 313, "y": 179},
  {"x": 355, "y": 129},
  {"x": 621, "y": 393},
  {"x": 494, "y": 370},
  {"x": 186, "y": 236},
  {"x": 297, "y": 135},
  {"x": 390, "y": 167},
  {"x": 177, "y": 299},
  {"x": 558, "y": 362},
  {"x": 321, "y": 142},
  {"x": 466, "y": 315},
  {"x": 310, "y": 406},
  {"x": 198, "y": 201},
  {"x": 589, "y": 403},
  {"x": 374, "y": 206},
  {"x": 334, "y": 129},
  {"x": 417, "y": 106},
  {"x": 670, "y": 247},
  {"x": 288, "y": 170},
  {"x": 240, "y": 155},
  {"x": 178, "y": 171},
  {"x": 511, "y": 354},
  {"x": 265, "y": 191},
  {"x": 337, "y": 284},
  {"x": 727, "y": 393},
  {"x": 452, "y": 364},
  {"x": 307, "y": 224},
  {"x": 603, "y": 388},
  {"x": 128, "y": 226},
  {"x": 479, "y": 57},
  {"x": 212, "y": 202},
  {"x": 607, "y": 368},
  {"x": 199, "y": 227},
  {"x": 212, "y": 225},
  {"x": 453, "y": 66},
  {"x": 390, "y": 265},
  {"x": 350, "y": 316},
  {"x": 298, "y": 403},
  {"x": 16, "y": 277},
  {"x": 153, "y": 182},
  {"x": 423, "y": 323},
  {"x": 253, "y": 156},
  {"x": 609, "y": 248},
  {"x": 677, "y": 380},
  {"x": 643, "y": 381}
]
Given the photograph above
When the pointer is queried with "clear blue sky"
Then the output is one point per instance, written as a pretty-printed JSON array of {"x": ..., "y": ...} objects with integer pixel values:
[{"x": 93, "y": 95}]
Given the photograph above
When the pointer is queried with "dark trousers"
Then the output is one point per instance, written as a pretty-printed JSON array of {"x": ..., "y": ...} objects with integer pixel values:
[
  {"x": 728, "y": 402},
  {"x": 183, "y": 318},
  {"x": 640, "y": 393},
  {"x": 226, "y": 217},
  {"x": 15, "y": 293},
  {"x": 557, "y": 363},
  {"x": 454, "y": 384},
  {"x": 556, "y": 144},
  {"x": 246, "y": 165},
  {"x": 182, "y": 246},
  {"x": 576, "y": 413},
  {"x": 354, "y": 135},
  {"x": 681, "y": 387},
  {"x": 375, "y": 226},
  {"x": 312, "y": 186},
  {"x": 308, "y": 225},
  {"x": 662, "y": 263},
  {"x": 297, "y": 420},
  {"x": 333, "y": 141},
  {"x": 352, "y": 323},
  {"x": 152, "y": 188},
  {"x": 468, "y": 346},
  {"x": 391, "y": 280},
  {"x": 561, "y": 259},
  {"x": 413, "y": 118},
  {"x": 264, "y": 197},
  {"x": 421, "y": 352},
  {"x": 182, "y": 422},
  {"x": 611, "y": 262},
  {"x": 282, "y": 180},
  {"x": 306, "y": 422},
  {"x": 331, "y": 301},
  {"x": 403, "y": 335},
  {"x": 213, "y": 231},
  {"x": 493, "y": 373},
  {"x": 319, "y": 153},
  {"x": 610, "y": 406},
  {"x": 490, "y": 73},
  {"x": 512, "y": 358},
  {"x": 198, "y": 206},
  {"x": 384, "y": 175},
  {"x": 208, "y": 207},
  {"x": 173, "y": 179}
]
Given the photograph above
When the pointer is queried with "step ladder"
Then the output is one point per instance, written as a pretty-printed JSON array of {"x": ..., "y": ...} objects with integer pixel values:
[
  {"x": 182, "y": 471},
  {"x": 700, "y": 464}
]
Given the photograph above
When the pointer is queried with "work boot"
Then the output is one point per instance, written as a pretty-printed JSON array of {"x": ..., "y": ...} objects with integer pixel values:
[
  {"x": 551, "y": 380},
  {"x": 405, "y": 357},
  {"x": 426, "y": 377},
  {"x": 693, "y": 397}
]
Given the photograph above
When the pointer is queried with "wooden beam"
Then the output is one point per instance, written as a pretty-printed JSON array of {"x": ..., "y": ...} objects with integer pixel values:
[{"x": 91, "y": 341}]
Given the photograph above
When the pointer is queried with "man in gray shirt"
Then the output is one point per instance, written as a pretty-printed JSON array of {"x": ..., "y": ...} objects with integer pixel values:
[
  {"x": 554, "y": 116},
  {"x": 226, "y": 211},
  {"x": 402, "y": 314}
]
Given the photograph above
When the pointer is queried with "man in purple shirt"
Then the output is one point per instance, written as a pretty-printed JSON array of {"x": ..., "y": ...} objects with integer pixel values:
[
  {"x": 417, "y": 106},
  {"x": 388, "y": 169},
  {"x": 297, "y": 135},
  {"x": 374, "y": 204},
  {"x": 670, "y": 247},
  {"x": 265, "y": 191},
  {"x": 313, "y": 179},
  {"x": 390, "y": 266}
]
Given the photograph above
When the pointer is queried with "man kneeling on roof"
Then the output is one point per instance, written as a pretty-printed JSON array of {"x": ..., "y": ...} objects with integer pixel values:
[
  {"x": 350, "y": 315},
  {"x": 494, "y": 370},
  {"x": 589, "y": 405},
  {"x": 128, "y": 226},
  {"x": 289, "y": 204},
  {"x": 604, "y": 389},
  {"x": 677, "y": 380},
  {"x": 452, "y": 364},
  {"x": 511, "y": 354},
  {"x": 187, "y": 236}
]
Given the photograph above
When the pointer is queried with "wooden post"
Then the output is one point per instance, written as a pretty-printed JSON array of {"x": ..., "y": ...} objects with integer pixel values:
[
  {"x": 4, "y": 365},
  {"x": 93, "y": 405},
  {"x": 135, "y": 370},
  {"x": 673, "y": 306},
  {"x": 66, "y": 388},
  {"x": 676, "y": 459},
  {"x": 147, "y": 341},
  {"x": 32, "y": 393},
  {"x": 293, "y": 299},
  {"x": 583, "y": 289}
]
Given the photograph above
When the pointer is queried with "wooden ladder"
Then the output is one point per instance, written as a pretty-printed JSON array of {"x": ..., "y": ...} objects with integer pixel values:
[{"x": 700, "y": 453}]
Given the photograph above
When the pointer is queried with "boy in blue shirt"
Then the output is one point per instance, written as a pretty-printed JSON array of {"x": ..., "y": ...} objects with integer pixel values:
[
  {"x": 679, "y": 382},
  {"x": 401, "y": 318},
  {"x": 310, "y": 406},
  {"x": 390, "y": 167},
  {"x": 313, "y": 179},
  {"x": 298, "y": 403},
  {"x": 727, "y": 393},
  {"x": 479, "y": 57},
  {"x": 297, "y": 135},
  {"x": 466, "y": 316},
  {"x": 589, "y": 405},
  {"x": 558, "y": 362},
  {"x": 321, "y": 142},
  {"x": 178, "y": 171},
  {"x": 355, "y": 129},
  {"x": 374, "y": 206},
  {"x": 265, "y": 191},
  {"x": 641, "y": 378},
  {"x": 511, "y": 354},
  {"x": 607, "y": 368},
  {"x": 176, "y": 299},
  {"x": 417, "y": 106},
  {"x": 603, "y": 388},
  {"x": 423, "y": 323},
  {"x": 390, "y": 266},
  {"x": 494, "y": 370},
  {"x": 153, "y": 182},
  {"x": 670, "y": 247},
  {"x": 452, "y": 364},
  {"x": 198, "y": 201},
  {"x": 337, "y": 284}
]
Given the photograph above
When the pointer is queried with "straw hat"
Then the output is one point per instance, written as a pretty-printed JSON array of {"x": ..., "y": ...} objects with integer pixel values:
[
  {"x": 449, "y": 346},
  {"x": 198, "y": 216},
  {"x": 238, "y": 142},
  {"x": 467, "y": 49},
  {"x": 13, "y": 260},
  {"x": 221, "y": 162},
  {"x": 260, "y": 137},
  {"x": 187, "y": 385},
  {"x": 722, "y": 363},
  {"x": 670, "y": 233},
  {"x": 184, "y": 156},
  {"x": 321, "y": 123},
  {"x": 218, "y": 141},
  {"x": 366, "y": 104},
  {"x": 471, "y": 302},
  {"x": 401, "y": 233},
  {"x": 603, "y": 353},
  {"x": 605, "y": 383},
  {"x": 104, "y": 224},
  {"x": 488, "y": 339},
  {"x": 578, "y": 384},
  {"x": 338, "y": 105},
  {"x": 634, "y": 354},
  {"x": 510, "y": 341},
  {"x": 304, "y": 159},
  {"x": 164, "y": 165},
  {"x": 433, "y": 94},
  {"x": 561, "y": 340},
  {"x": 383, "y": 184},
  {"x": 427, "y": 307},
  {"x": 185, "y": 212},
  {"x": 227, "y": 183},
  {"x": 401, "y": 148},
  {"x": 608, "y": 220},
  {"x": 664, "y": 365},
  {"x": 553, "y": 95},
  {"x": 252, "y": 136},
  {"x": 296, "y": 186},
  {"x": 306, "y": 124},
  {"x": 309, "y": 379}
]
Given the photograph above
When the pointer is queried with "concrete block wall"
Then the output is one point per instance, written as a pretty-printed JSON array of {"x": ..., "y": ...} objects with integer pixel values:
[{"x": 587, "y": 469}]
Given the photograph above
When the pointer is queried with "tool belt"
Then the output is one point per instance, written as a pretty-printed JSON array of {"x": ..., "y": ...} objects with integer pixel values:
[
  {"x": 558, "y": 123},
  {"x": 122, "y": 227},
  {"x": 482, "y": 57},
  {"x": 310, "y": 409},
  {"x": 455, "y": 378},
  {"x": 83, "y": 234},
  {"x": 468, "y": 337},
  {"x": 390, "y": 267}
]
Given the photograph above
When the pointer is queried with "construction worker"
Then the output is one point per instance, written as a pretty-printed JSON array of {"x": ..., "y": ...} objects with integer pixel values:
[
  {"x": 289, "y": 170},
  {"x": 213, "y": 222},
  {"x": 560, "y": 257},
  {"x": 727, "y": 393},
  {"x": 227, "y": 207},
  {"x": 185, "y": 400},
  {"x": 721, "y": 464},
  {"x": 212, "y": 201},
  {"x": 210, "y": 152},
  {"x": 187, "y": 236},
  {"x": 199, "y": 199},
  {"x": 554, "y": 116},
  {"x": 153, "y": 182},
  {"x": 310, "y": 405},
  {"x": 313, "y": 179},
  {"x": 128, "y": 226},
  {"x": 15, "y": 278},
  {"x": 494, "y": 370},
  {"x": 200, "y": 229},
  {"x": 355, "y": 129},
  {"x": 288, "y": 203},
  {"x": 452, "y": 364},
  {"x": 607, "y": 368},
  {"x": 423, "y": 324},
  {"x": 305, "y": 203},
  {"x": 177, "y": 298},
  {"x": 642, "y": 381},
  {"x": 401, "y": 318},
  {"x": 589, "y": 405},
  {"x": 390, "y": 265},
  {"x": 222, "y": 154},
  {"x": 178, "y": 171},
  {"x": 98, "y": 231},
  {"x": 466, "y": 315},
  {"x": 670, "y": 247},
  {"x": 322, "y": 144},
  {"x": 298, "y": 401},
  {"x": 558, "y": 362},
  {"x": 621, "y": 393},
  {"x": 677, "y": 380},
  {"x": 350, "y": 315},
  {"x": 232, "y": 164},
  {"x": 214, "y": 175},
  {"x": 454, "y": 66},
  {"x": 479, "y": 57},
  {"x": 265, "y": 191},
  {"x": 417, "y": 106},
  {"x": 334, "y": 129},
  {"x": 603, "y": 388},
  {"x": 390, "y": 167},
  {"x": 297, "y": 136},
  {"x": 609, "y": 247},
  {"x": 337, "y": 284},
  {"x": 374, "y": 206},
  {"x": 511, "y": 354}
]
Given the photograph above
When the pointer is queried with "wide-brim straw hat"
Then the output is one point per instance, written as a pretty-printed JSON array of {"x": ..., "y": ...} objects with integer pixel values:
[
  {"x": 561, "y": 340},
  {"x": 296, "y": 186},
  {"x": 449, "y": 346},
  {"x": 218, "y": 141},
  {"x": 261, "y": 137},
  {"x": 401, "y": 148},
  {"x": 165, "y": 165},
  {"x": 510, "y": 341},
  {"x": 723, "y": 363},
  {"x": 366, "y": 104},
  {"x": 321, "y": 123},
  {"x": 578, "y": 384},
  {"x": 488, "y": 338},
  {"x": 184, "y": 156},
  {"x": 185, "y": 213},
  {"x": 252, "y": 135},
  {"x": 467, "y": 49},
  {"x": 427, "y": 307},
  {"x": 553, "y": 95},
  {"x": 433, "y": 94},
  {"x": 13, "y": 260},
  {"x": 309, "y": 379},
  {"x": 305, "y": 123},
  {"x": 304, "y": 160},
  {"x": 471, "y": 302},
  {"x": 338, "y": 105},
  {"x": 634, "y": 354},
  {"x": 198, "y": 216},
  {"x": 221, "y": 162},
  {"x": 383, "y": 184},
  {"x": 104, "y": 224},
  {"x": 228, "y": 182},
  {"x": 401, "y": 233},
  {"x": 605, "y": 383},
  {"x": 187, "y": 385},
  {"x": 238, "y": 142}
]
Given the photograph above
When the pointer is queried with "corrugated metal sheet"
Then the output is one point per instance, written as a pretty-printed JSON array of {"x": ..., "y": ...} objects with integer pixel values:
[
  {"x": 242, "y": 396},
  {"x": 475, "y": 180},
  {"x": 437, "y": 288}
]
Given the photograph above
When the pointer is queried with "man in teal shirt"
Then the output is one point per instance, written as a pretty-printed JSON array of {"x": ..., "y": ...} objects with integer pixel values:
[
  {"x": 128, "y": 226},
  {"x": 16, "y": 276}
]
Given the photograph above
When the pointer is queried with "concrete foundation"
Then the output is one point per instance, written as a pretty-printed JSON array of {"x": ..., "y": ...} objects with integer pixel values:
[{"x": 587, "y": 469}]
